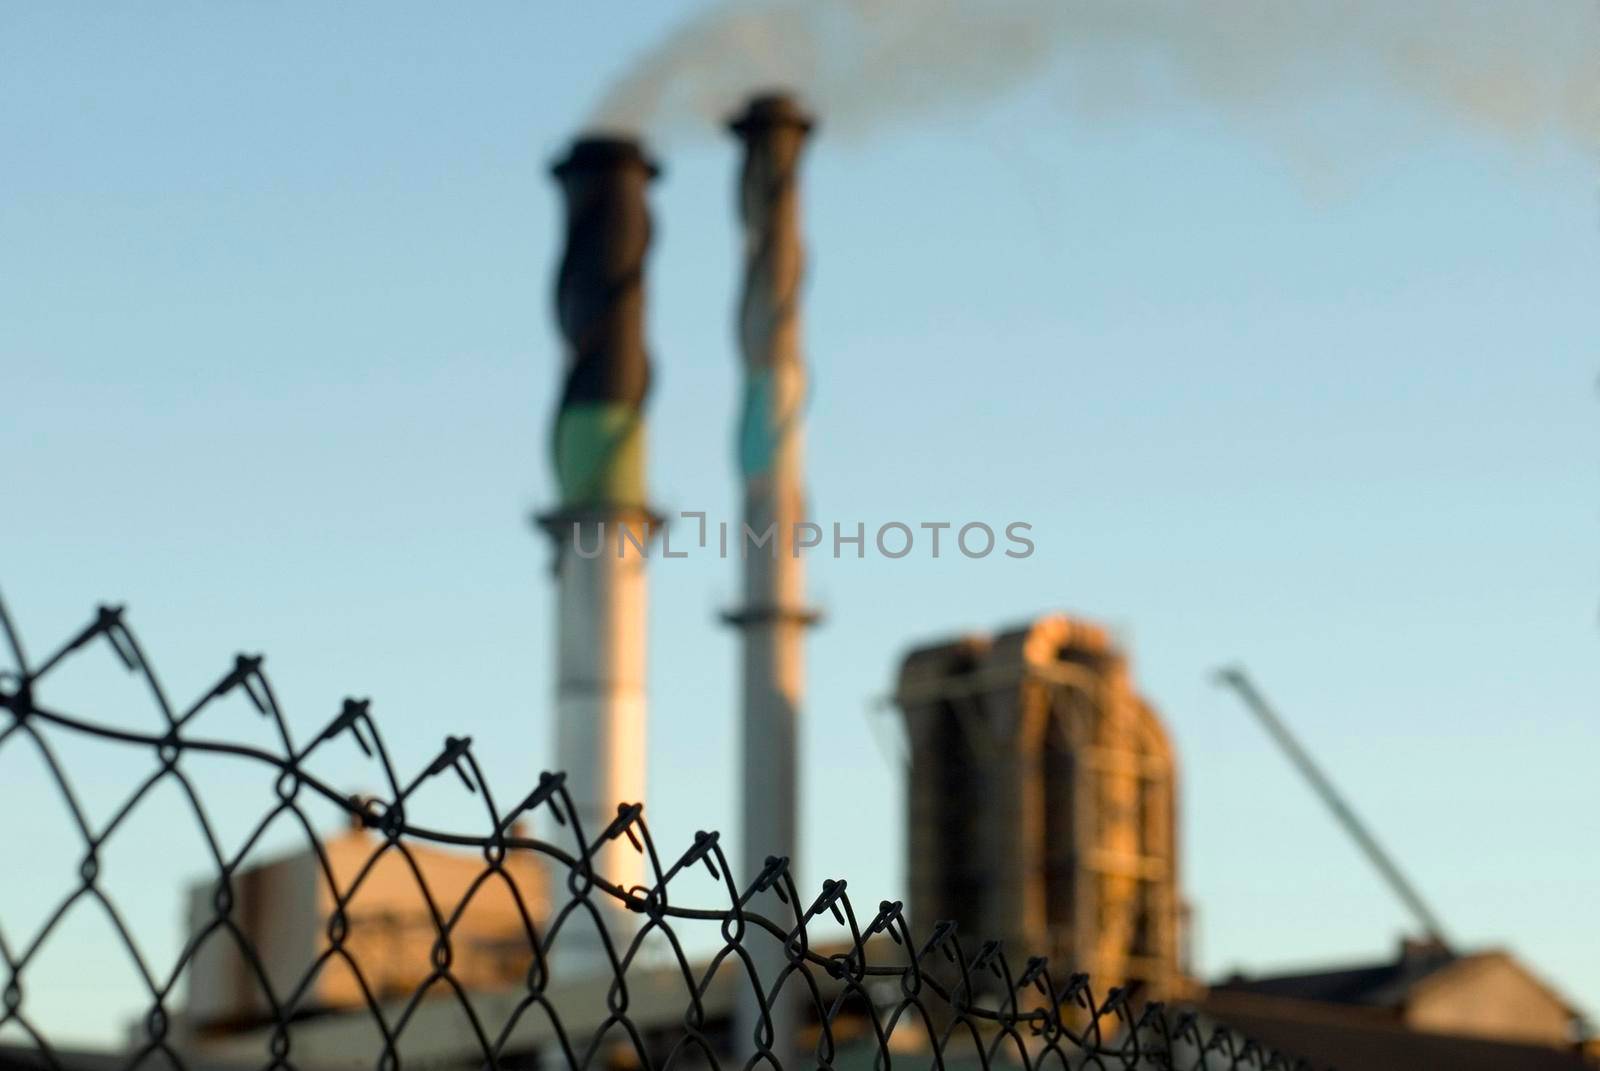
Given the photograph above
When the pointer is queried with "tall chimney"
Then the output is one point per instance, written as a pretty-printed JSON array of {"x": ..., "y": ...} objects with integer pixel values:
[
  {"x": 602, "y": 524},
  {"x": 774, "y": 617}
]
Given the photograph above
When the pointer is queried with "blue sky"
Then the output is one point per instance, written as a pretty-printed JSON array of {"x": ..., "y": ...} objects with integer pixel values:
[{"x": 278, "y": 363}]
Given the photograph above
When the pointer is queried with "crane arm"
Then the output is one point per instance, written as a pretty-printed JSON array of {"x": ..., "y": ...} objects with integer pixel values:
[{"x": 1234, "y": 678}]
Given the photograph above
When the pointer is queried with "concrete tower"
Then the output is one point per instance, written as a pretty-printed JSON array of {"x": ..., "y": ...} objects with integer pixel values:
[
  {"x": 1042, "y": 802},
  {"x": 774, "y": 617},
  {"x": 603, "y": 523}
]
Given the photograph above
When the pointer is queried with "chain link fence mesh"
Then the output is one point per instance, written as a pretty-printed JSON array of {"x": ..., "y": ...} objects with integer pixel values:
[{"x": 391, "y": 944}]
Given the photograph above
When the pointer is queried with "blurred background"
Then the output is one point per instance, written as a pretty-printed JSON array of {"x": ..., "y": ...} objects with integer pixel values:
[{"x": 1277, "y": 325}]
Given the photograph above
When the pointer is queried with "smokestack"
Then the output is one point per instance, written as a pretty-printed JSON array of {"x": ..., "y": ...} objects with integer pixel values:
[
  {"x": 774, "y": 617},
  {"x": 603, "y": 524}
]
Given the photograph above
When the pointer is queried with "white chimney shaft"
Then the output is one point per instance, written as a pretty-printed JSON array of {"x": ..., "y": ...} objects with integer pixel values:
[
  {"x": 774, "y": 616},
  {"x": 599, "y": 454}
]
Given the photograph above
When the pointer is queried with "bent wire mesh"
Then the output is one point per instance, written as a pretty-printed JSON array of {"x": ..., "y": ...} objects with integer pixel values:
[{"x": 391, "y": 943}]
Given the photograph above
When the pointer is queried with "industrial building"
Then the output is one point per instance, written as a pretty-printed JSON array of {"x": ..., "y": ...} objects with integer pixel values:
[
  {"x": 1042, "y": 801},
  {"x": 1427, "y": 1007},
  {"x": 600, "y": 530},
  {"x": 1042, "y": 794},
  {"x": 285, "y": 908}
]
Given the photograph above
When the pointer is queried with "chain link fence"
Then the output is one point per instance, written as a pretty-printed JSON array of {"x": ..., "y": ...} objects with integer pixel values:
[{"x": 390, "y": 944}]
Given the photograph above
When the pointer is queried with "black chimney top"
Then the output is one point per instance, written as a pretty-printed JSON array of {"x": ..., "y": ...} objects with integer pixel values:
[
  {"x": 598, "y": 152},
  {"x": 768, "y": 110}
]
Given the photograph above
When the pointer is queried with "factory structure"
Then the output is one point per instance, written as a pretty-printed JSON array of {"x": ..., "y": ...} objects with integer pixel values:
[
  {"x": 1042, "y": 801},
  {"x": 600, "y": 531},
  {"x": 1042, "y": 790},
  {"x": 603, "y": 526},
  {"x": 774, "y": 616}
]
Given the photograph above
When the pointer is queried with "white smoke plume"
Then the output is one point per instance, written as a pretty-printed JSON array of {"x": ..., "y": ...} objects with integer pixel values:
[{"x": 1523, "y": 70}]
